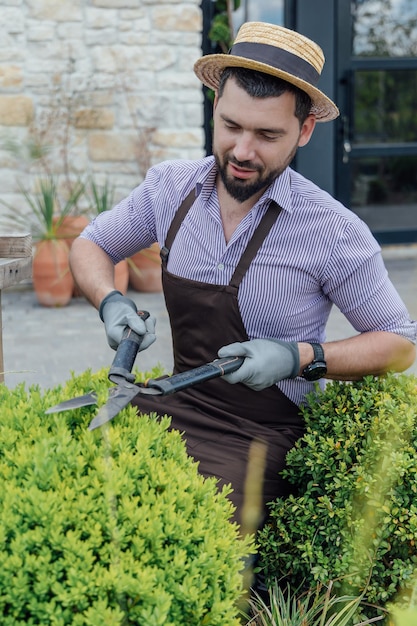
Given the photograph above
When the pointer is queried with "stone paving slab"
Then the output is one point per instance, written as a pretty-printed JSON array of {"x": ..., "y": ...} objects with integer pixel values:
[{"x": 44, "y": 345}]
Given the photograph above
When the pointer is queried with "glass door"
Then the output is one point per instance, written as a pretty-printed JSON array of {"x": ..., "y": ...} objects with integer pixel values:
[
  {"x": 274, "y": 11},
  {"x": 377, "y": 173},
  {"x": 271, "y": 11}
]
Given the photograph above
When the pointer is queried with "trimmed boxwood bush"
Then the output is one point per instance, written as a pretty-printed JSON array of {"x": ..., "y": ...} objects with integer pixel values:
[
  {"x": 113, "y": 526},
  {"x": 353, "y": 516}
]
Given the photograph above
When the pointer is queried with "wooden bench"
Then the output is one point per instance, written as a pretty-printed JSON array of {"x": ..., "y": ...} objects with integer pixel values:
[{"x": 15, "y": 266}]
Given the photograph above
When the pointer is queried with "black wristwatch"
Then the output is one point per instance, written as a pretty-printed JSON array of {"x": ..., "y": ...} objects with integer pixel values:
[{"x": 318, "y": 367}]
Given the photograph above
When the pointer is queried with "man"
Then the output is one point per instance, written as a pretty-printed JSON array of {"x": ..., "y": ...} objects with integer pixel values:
[{"x": 252, "y": 264}]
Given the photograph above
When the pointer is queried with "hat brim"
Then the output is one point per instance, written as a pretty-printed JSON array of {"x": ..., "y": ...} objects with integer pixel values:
[{"x": 209, "y": 68}]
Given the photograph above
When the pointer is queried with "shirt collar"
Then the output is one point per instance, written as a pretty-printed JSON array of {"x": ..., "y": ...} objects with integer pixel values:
[
  {"x": 279, "y": 191},
  {"x": 207, "y": 178}
]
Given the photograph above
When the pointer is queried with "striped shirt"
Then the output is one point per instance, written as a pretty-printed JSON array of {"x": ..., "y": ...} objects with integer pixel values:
[{"x": 318, "y": 253}]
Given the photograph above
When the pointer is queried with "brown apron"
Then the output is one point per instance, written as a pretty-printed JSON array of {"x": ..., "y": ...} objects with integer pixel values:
[{"x": 220, "y": 421}]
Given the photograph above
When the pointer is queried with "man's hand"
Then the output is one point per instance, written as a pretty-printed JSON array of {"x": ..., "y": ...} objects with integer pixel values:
[
  {"x": 117, "y": 312},
  {"x": 267, "y": 361}
]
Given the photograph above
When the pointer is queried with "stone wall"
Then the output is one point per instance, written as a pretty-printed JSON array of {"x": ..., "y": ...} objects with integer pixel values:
[{"x": 95, "y": 87}]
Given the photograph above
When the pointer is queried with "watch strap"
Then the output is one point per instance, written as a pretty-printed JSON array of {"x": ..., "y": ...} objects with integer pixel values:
[
  {"x": 317, "y": 368},
  {"x": 318, "y": 352}
]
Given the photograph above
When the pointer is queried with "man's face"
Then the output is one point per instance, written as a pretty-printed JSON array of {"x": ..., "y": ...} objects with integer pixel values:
[{"x": 254, "y": 139}]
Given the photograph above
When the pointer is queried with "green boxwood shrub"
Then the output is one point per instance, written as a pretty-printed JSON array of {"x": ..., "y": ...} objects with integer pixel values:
[
  {"x": 353, "y": 516},
  {"x": 113, "y": 526}
]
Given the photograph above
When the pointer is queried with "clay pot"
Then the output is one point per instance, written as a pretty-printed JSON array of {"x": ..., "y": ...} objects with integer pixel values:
[
  {"x": 121, "y": 276},
  {"x": 68, "y": 230},
  {"x": 52, "y": 279},
  {"x": 70, "y": 227},
  {"x": 145, "y": 270}
]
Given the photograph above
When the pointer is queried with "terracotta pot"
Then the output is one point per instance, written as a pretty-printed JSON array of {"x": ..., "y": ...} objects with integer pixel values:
[
  {"x": 70, "y": 227},
  {"x": 52, "y": 279},
  {"x": 121, "y": 276},
  {"x": 145, "y": 270}
]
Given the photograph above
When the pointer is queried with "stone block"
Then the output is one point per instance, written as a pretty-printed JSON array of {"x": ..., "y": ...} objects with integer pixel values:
[
  {"x": 100, "y": 17},
  {"x": 12, "y": 20},
  {"x": 117, "y": 59},
  {"x": 94, "y": 118},
  {"x": 188, "y": 40},
  {"x": 8, "y": 186},
  {"x": 182, "y": 17},
  {"x": 131, "y": 15},
  {"x": 96, "y": 36},
  {"x": 37, "y": 83},
  {"x": 51, "y": 66},
  {"x": 172, "y": 138},
  {"x": 136, "y": 36},
  {"x": 16, "y": 110},
  {"x": 10, "y": 76},
  {"x": 39, "y": 31},
  {"x": 10, "y": 52},
  {"x": 100, "y": 98},
  {"x": 71, "y": 31},
  {"x": 148, "y": 106},
  {"x": 62, "y": 11},
  {"x": 112, "y": 147},
  {"x": 115, "y": 4}
]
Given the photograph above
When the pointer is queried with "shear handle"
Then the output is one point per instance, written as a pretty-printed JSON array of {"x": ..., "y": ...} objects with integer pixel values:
[
  {"x": 126, "y": 353},
  {"x": 177, "y": 382}
]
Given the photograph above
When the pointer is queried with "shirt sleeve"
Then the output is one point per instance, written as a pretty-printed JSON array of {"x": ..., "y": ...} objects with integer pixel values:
[
  {"x": 130, "y": 225},
  {"x": 357, "y": 282},
  {"x": 144, "y": 216}
]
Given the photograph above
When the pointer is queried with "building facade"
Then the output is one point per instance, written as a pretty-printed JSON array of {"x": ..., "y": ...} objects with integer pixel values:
[
  {"x": 367, "y": 158},
  {"x": 99, "y": 88},
  {"x": 105, "y": 88}
]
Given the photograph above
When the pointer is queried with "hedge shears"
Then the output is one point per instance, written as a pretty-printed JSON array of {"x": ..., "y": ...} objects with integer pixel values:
[{"x": 126, "y": 388}]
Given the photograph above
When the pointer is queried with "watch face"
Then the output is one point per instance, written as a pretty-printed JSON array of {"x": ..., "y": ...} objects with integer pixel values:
[{"x": 314, "y": 371}]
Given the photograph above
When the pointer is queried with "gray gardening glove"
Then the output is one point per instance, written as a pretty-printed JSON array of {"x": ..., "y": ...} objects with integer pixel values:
[
  {"x": 267, "y": 361},
  {"x": 117, "y": 312}
]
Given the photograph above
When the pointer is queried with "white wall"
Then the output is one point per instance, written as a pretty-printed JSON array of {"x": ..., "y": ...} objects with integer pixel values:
[{"x": 107, "y": 84}]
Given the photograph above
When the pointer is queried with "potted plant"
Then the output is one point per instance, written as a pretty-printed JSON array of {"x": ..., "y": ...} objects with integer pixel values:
[
  {"x": 145, "y": 270},
  {"x": 318, "y": 606},
  {"x": 101, "y": 199},
  {"x": 142, "y": 270},
  {"x": 70, "y": 227},
  {"x": 52, "y": 279}
]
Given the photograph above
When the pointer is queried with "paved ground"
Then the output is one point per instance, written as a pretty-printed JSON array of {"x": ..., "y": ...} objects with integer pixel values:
[{"x": 43, "y": 345}]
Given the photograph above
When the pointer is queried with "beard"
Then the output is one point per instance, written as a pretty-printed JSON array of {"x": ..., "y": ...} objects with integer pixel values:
[{"x": 242, "y": 190}]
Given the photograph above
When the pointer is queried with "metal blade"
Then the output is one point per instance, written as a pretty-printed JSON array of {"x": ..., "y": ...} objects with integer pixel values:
[
  {"x": 123, "y": 394},
  {"x": 75, "y": 403},
  {"x": 88, "y": 399}
]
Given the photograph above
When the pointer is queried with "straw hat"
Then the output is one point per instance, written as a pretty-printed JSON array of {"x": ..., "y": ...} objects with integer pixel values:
[{"x": 273, "y": 50}]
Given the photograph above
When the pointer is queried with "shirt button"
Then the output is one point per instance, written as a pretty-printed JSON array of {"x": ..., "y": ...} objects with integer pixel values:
[{"x": 220, "y": 266}]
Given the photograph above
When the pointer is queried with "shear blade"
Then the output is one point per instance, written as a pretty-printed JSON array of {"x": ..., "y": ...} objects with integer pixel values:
[
  {"x": 87, "y": 399},
  {"x": 75, "y": 403},
  {"x": 121, "y": 397}
]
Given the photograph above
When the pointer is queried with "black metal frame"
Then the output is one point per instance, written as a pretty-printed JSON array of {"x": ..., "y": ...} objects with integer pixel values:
[
  {"x": 207, "y": 7},
  {"x": 347, "y": 65}
]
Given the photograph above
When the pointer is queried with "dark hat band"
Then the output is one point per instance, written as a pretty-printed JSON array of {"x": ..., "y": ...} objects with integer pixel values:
[{"x": 278, "y": 58}]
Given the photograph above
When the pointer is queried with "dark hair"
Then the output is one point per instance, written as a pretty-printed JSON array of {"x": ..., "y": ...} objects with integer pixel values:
[{"x": 260, "y": 85}]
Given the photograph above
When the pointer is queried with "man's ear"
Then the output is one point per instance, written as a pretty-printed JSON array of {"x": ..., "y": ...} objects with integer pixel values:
[{"x": 307, "y": 130}]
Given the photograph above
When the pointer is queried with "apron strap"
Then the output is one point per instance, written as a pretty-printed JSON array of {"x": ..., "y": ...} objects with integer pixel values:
[
  {"x": 179, "y": 216},
  {"x": 255, "y": 243},
  {"x": 252, "y": 248}
]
